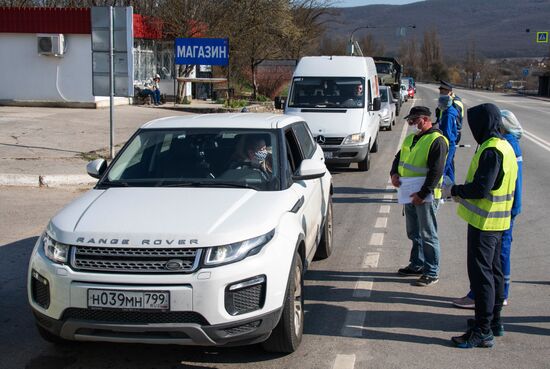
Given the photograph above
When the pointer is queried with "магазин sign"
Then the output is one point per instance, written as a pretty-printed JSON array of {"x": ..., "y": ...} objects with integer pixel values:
[{"x": 202, "y": 51}]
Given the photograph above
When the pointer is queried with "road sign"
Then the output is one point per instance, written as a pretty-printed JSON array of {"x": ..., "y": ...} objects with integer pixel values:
[
  {"x": 205, "y": 51},
  {"x": 525, "y": 72},
  {"x": 123, "y": 43},
  {"x": 542, "y": 37}
]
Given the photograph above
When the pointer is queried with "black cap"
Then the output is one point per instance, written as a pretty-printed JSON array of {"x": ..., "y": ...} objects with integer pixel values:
[
  {"x": 418, "y": 111},
  {"x": 445, "y": 85}
]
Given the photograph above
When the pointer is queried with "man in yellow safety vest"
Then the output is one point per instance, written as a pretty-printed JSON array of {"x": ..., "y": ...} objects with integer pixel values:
[
  {"x": 485, "y": 203},
  {"x": 422, "y": 155}
]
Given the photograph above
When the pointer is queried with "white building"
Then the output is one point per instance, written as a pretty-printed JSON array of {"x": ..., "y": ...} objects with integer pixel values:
[{"x": 34, "y": 79}]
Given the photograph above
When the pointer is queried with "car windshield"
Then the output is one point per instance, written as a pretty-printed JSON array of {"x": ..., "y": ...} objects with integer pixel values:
[
  {"x": 384, "y": 68},
  {"x": 384, "y": 95},
  {"x": 237, "y": 158},
  {"x": 327, "y": 92}
]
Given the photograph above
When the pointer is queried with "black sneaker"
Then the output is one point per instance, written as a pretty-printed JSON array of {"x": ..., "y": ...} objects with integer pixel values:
[
  {"x": 425, "y": 281},
  {"x": 497, "y": 329},
  {"x": 474, "y": 338},
  {"x": 409, "y": 271}
]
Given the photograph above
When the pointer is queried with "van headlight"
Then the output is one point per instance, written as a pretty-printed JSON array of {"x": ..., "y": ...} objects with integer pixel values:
[
  {"x": 55, "y": 251},
  {"x": 236, "y": 251},
  {"x": 354, "y": 139}
]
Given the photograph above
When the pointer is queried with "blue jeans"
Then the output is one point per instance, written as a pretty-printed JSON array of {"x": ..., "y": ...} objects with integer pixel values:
[
  {"x": 422, "y": 231},
  {"x": 155, "y": 94},
  {"x": 505, "y": 251}
]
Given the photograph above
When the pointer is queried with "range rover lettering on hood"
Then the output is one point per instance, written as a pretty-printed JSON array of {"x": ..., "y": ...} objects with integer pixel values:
[{"x": 126, "y": 241}]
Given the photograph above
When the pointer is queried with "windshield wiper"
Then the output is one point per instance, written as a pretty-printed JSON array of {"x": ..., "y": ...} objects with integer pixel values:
[
  {"x": 205, "y": 184},
  {"x": 108, "y": 183}
]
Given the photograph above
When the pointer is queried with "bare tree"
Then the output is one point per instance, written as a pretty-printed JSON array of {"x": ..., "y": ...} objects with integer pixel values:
[
  {"x": 431, "y": 61},
  {"x": 473, "y": 64},
  {"x": 410, "y": 58},
  {"x": 309, "y": 18},
  {"x": 370, "y": 47}
]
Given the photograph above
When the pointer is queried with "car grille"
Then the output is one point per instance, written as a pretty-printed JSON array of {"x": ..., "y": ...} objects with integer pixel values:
[
  {"x": 330, "y": 141},
  {"x": 134, "y": 260},
  {"x": 134, "y": 317}
]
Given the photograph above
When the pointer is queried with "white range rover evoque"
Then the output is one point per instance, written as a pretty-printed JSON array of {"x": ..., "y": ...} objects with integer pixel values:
[{"x": 198, "y": 233}]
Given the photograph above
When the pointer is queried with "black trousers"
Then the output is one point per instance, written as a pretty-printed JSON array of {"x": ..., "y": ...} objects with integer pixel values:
[{"x": 485, "y": 273}]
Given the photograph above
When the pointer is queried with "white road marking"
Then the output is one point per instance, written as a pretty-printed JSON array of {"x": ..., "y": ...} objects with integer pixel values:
[
  {"x": 381, "y": 222},
  {"x": 353, "y": 326},
  {"x": 537, "y": 140},
  {"x": 363, "y": 289},
  {"x": 377, "y": 239},
  {"x": 371, "y": 260},
  {"x": 344, "y": 362},
  {"x": 390, "y": 187},
  {"x": 384, "y": 209},
  {"x": 388, "y": 196}
]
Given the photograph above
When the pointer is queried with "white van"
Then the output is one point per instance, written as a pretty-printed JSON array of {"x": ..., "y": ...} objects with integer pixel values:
[{"x": 339, "y": 98}]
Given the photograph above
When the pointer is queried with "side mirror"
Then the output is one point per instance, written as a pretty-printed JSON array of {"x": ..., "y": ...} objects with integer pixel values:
[
  {"x": 96, "y": 168},
  {"x": 310, "y": 169},
  {"x": 376, "y": 103}
]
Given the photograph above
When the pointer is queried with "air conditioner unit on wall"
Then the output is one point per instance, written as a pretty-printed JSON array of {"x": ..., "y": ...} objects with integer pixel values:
[{"x": 51, "y": 44}]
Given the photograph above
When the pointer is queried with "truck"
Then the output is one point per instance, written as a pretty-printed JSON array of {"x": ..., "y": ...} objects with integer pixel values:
[
  {"x": 339, "y": 98},
  {"x": 389, "y": 73}
]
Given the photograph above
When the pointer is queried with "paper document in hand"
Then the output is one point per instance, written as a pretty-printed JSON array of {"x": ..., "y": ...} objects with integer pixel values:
[{"x": 410, "y": 185}]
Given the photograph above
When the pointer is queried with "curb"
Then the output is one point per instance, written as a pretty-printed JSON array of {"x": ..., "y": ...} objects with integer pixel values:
[{"x": 52, "y": 180}]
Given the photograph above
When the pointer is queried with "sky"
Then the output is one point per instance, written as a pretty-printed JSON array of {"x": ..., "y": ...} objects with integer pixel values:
[{"x": 349, "y": 3}]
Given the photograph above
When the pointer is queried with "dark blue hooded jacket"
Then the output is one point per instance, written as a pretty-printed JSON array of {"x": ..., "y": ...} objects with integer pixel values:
[{"x": 484, "y": 121}]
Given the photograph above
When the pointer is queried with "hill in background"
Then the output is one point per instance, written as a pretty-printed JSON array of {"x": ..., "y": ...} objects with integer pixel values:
[{"x": 496, "y": 26}]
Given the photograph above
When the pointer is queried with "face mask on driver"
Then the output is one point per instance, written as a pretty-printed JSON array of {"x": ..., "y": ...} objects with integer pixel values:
[{"x": 260, "y": 155}]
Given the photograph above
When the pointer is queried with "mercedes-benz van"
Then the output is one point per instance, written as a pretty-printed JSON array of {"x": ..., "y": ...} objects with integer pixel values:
[{"x": 339, "y": 98}]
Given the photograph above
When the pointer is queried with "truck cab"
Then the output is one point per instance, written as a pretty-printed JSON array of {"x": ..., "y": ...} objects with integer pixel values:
[{"x": 339, "y": 98}]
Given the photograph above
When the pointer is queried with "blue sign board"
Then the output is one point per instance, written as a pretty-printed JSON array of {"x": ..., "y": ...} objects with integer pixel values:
[
  {"x": 202, "y": 51},
  {"x": 525, "y": 72}
]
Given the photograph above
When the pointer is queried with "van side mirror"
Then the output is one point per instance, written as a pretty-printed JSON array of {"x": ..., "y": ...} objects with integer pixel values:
[
  {"x": 96, "y": 168},
  {"x": 376, "y": 103}
]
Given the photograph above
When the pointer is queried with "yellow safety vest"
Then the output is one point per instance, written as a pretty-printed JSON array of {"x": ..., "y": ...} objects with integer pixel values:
[
  {"x": 492, "y": 213},
  {"x": 413, "y": 162}
]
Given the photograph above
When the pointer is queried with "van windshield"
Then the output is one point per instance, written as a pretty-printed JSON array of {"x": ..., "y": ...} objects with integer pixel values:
[{"x": 327, "y": 92}]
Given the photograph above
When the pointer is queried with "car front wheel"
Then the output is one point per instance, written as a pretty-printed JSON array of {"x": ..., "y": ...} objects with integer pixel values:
[{"x": 287, "y": 335}]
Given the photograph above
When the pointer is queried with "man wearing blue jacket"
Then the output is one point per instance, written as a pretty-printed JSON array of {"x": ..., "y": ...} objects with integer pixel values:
[{"x": 448, "y": 126}]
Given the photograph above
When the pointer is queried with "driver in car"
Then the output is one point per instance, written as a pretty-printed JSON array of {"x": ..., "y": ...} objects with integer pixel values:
[
  {"x": 256, "y": 156},
  {"x": 357, "y": 99}
]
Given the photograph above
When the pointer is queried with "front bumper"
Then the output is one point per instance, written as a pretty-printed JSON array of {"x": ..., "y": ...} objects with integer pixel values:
[
  {"x": 201, "y": 294},
  {"x": 345, "y": 154},
  {"x": 242, "y": 332}
]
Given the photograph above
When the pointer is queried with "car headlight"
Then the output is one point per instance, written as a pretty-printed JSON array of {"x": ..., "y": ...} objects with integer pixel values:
[
  {"x": 353, "y": 139},
  {"x": 55, "y": 251},
  {"x": 236, "y": 251}
]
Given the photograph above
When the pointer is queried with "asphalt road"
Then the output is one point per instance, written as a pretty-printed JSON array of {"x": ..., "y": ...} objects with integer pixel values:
[{"x": 359, "y": 313}]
